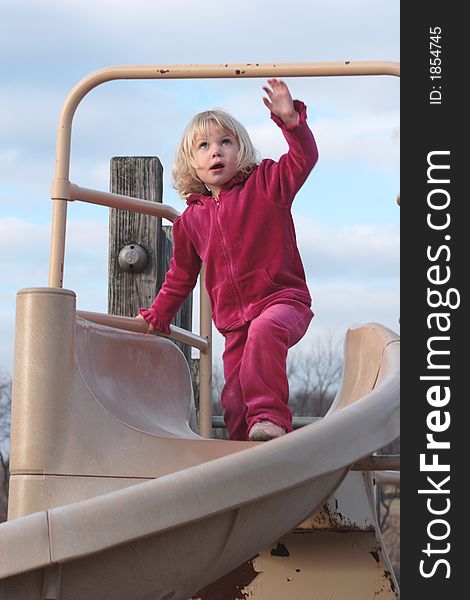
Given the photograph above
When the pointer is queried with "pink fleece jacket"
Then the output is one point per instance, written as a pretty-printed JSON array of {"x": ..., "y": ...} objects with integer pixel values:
[{"x": 245, "y": 237}]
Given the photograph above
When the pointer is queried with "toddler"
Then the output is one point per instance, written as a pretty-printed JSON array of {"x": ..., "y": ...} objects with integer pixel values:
[{"x": 238, "y": 222}]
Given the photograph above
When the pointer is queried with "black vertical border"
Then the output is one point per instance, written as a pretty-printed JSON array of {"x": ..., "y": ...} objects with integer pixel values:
[{"x": 426, "y": 128}]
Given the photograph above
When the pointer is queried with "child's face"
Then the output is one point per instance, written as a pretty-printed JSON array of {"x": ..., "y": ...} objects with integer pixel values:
[{"x": 216, "y": 157}]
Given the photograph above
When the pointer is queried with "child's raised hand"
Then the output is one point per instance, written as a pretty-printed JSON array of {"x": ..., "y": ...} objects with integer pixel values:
[{"x": 280, "y": 102}]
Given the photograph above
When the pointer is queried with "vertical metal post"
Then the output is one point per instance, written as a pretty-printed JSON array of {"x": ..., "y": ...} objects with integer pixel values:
[
  {"x": 378, "y": 500},
  {"x": 205, "y": 363},
  {"x": 56, "y": 265}
]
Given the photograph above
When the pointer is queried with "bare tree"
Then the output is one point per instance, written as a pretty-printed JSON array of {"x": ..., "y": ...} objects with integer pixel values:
[
  {"x": 388, "y": 495},
  {"x": 314, "y": 376},
  {"x": 218, "y": 382},
  {"x": 389, "y": 513},
  {"x": 5, "y": 410}
]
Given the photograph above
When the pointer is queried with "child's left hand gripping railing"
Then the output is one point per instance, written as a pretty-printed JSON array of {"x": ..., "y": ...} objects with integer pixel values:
[{"x": 63, "y": 191}]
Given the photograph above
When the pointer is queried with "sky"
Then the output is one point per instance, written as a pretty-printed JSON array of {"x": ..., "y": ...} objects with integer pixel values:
[{"x": 346, "y": 214}]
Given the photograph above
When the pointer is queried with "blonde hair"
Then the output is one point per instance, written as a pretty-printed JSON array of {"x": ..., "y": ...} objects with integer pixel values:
[{"x": 185, "y": 180}]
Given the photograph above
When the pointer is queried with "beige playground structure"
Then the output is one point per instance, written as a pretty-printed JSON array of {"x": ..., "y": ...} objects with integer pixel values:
[{"x": 116, "y": 489}]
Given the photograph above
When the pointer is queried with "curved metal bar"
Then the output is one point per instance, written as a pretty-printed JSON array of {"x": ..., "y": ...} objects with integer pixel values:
[
  {"x": 131, "y": 324},
  {"x": 156, "y": 209},
  {"x": 308, "y": 69},
  {"x": 61, "y": 185},
  {"x": 387, "y": 477},
  {"x": 378, "y": 463}
]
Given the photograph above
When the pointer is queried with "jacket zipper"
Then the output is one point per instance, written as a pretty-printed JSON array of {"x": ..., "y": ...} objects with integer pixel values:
[{"x": 238, "y": 292}]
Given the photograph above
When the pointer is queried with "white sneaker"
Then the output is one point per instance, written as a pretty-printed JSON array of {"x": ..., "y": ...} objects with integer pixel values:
[{"x": 264, "y": 431}]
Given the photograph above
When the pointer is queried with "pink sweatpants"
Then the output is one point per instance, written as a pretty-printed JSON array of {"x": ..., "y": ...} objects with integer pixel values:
[{"x": 256, "y": 385}]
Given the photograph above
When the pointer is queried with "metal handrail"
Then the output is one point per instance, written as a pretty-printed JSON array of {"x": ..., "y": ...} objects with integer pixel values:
[
  {"x": 137, "y": 326},
  {"x": 378, "y": 462},
  {"x": 62, "y": 191},
  {"x": 156, "y": 209},
  {"x": 297, "y": 422}
]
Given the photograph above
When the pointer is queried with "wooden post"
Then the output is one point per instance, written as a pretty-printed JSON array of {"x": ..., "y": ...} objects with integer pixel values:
[{"x": 140, "y": 177}]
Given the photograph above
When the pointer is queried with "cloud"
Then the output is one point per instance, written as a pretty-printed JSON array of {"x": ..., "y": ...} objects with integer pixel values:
[
  {"x": 371, "y": 139},
  {"x": 24, "y": 263},
  {"x": 24, "y": 252},
  {"x": 354, "y": 252},
  {"x": 337, "y": 303},
  {"x": 162, "y": 32}
]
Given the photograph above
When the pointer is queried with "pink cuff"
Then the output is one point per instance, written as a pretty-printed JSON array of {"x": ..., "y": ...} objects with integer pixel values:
[
  {"x": 300, "y": 108},
  {"x": 151, "y": 317}
]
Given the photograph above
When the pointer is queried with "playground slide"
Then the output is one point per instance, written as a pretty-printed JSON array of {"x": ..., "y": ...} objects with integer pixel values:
[{"x": 113, "y": 494}]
